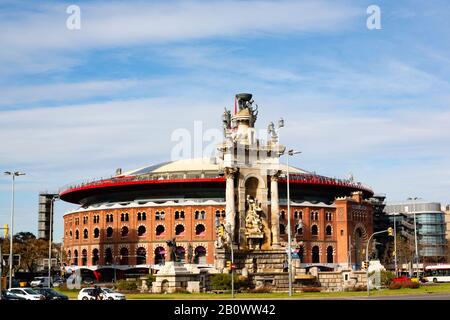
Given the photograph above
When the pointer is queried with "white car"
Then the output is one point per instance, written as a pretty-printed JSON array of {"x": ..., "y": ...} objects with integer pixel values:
[
  {"x": 27, "y": 293},
  {"x": 107, "y": 294},
  {"x": 41, "y": 282}
]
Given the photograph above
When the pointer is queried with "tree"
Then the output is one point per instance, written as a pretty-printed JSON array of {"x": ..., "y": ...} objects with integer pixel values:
[{"x": 30, "y": 249}]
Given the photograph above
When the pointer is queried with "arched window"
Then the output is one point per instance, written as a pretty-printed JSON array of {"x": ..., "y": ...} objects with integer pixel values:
[
  {"x": 157, "y": 215},
  {"x": 160, "y": 230},
  {"x": 70, "y": 234},
  {"x": 316, "y": 216},
  {"x": 141, "y": 231},
  {"x": 96, "y": 233},
  {"x": 124, "y": 231},
  {"x": 282, "y": 229},
  {"x": 108, "y": 256},
  {"x": 203, "y": 215},
  {"x": 328, "y": 230},
  {"x": 126, "y": 217},
  {"x": 144, "y": 216},
  {"x": 111, "y": 218},
  {"x": 181, "y": 253},
  {"x": 298, "y": 230},
  {"x": 200, "y": 255},
  {"x": 177, "y": 215},
  {"x": 315, "y": 254},
  {"x": 77, "y": 235},
  {"x": 122, "y": 217},
  {"x": 223, "y": 214},
  {"x": 179, "y": 230},
  {"x": 330, "y": 254},
  {"x": 181, "y": 214},
  {"x": 314, "y": 230},
  {"x": 75, "y": 257},
  {"x": 217, "y": 214},
  {"x": 141, "y": 256},
  {"x": 85, "y": 233},
  {"x": 159, "y": 255},
  {"x": 200, "y": 230},
  {"x": 69, "y": 256},
  {"x": 162, "y": 215},
  {"x": 282, "y": 215},
  {"x": 123, "y": 256},
  {"x": 312, "y": 216},
  {"x": 84, "y": 257},
  {"x": 109, "y": 232},
  {"x": 197, "y": 215},
  {"x": 139, "y": 216},
  {"x": 95, "y": 257}
]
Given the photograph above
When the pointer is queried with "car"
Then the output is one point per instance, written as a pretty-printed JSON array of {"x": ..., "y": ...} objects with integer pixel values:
[
  {"x": 27, "y": 293},
  {"x": 109, "y": 294},
  {"x": 10, "y": 296},
  {"x": 106, "y": 294},
  {"x": 41, "y": 282},
  {"x": 86, "y": 294},
  {"x": 51, "y": 294}
]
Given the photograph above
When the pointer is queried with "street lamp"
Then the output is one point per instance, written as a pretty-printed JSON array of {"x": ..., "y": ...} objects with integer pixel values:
[
  {"x": 52, "y": 203},
  {"x": 291, "y": 152},
  {"x": 413, "y": 199},
  {"x": 389, "y": 231},
  {"x": 13, "y": 174}
]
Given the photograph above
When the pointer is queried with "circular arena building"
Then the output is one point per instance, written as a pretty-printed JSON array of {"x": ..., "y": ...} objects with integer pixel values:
[{"x": 123, "y": 224}]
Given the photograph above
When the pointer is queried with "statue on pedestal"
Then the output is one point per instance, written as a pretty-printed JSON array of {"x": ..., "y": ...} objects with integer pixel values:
[
  {"x": 172, "y": 250},
  {"x": 253, "y": 224}
]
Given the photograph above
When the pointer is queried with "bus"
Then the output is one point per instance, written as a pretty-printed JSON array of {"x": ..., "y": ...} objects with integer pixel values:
[{"x": 438, "y": 273}]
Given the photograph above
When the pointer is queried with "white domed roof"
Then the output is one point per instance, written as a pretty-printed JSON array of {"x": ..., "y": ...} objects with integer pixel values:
[{"x": 189, "y": 165}]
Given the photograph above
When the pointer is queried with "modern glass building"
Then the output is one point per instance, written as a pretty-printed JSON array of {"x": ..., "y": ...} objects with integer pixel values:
[{"x": 431, "y": 228}]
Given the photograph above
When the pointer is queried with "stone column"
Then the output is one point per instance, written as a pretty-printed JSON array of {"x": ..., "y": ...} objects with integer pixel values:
[
  {"x": 275, "y": 210},
  {"x": 229, "y": 200}
]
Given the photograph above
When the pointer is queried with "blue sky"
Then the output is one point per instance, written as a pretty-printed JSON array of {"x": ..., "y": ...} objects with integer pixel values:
[{"x": 77, "y": 104}]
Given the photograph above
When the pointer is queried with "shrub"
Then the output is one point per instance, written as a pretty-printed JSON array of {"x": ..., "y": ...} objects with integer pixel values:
[
  {"x": 360, "y": 287},
  {"x": 183, "y": 291},
  {"x": 311, "y": 289},
  {"x": 222, "y": 281},
  {"x": 410, "y": 285},
  {"x": 395, "y": 285},
  {"x": 126, "y": 285},
  {"x": 263, "y": 289},
  {"x": 149, "y": 280}
]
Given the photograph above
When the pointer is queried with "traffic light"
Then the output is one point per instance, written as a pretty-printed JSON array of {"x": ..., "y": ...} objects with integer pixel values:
[
  {"x": 390, "y": 231},
  {"x": 5, "y": 231},
  {"x": 221, "y": 230},
  {"x": 228, "y": 264}
]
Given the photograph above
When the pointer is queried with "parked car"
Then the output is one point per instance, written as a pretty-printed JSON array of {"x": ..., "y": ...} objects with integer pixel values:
[
  {"x": 41, "y": 282},
  {"x": 10, "y": 296},
  {"x": 27, "y": 293},
  {"x": 106, "y": 294},
  {"x": 86, "y": 294},
  {"x": 110, "y": 294},
  {"x": 51, "y": 294}
]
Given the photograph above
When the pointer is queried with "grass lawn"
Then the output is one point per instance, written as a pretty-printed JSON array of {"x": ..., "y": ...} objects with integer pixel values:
[{"x": 424, "y": 289}]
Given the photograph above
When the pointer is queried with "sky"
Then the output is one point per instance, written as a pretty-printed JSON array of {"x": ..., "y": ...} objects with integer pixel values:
[{"x": 78, "y": 103}]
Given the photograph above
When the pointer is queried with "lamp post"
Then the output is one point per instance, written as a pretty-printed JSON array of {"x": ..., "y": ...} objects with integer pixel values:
[
  {"x": 389, "y": 230},
  {"x": 395, "y": 246},
  {"x": 13, "y": 174},
  {"x": 291, "y": 152},
  {"x": 52, "y": 203},
  {"x": 413, "y": 199}
]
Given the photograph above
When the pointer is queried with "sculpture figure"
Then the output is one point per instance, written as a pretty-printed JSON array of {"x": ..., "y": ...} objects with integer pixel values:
[{"x": 172, "y": 250}]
